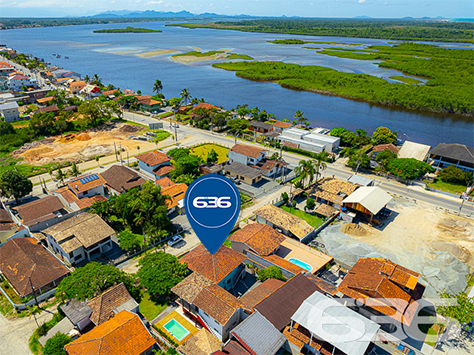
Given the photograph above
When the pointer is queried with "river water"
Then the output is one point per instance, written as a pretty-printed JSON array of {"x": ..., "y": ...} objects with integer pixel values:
[{"x": 91, "y": 53}]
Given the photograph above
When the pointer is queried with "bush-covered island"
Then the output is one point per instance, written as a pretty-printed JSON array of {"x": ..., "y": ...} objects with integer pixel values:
[{"x": 127, "y": 29}]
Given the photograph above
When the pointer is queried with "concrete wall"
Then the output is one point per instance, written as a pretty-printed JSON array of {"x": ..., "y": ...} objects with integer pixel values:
[
  {"x": 254, "y": 258},
  {"x": 229, "y": 281},
  {"x": 212, "y": 323}
]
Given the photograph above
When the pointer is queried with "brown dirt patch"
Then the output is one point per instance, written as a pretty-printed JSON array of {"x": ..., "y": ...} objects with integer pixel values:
[
  {"x": 353, "y": 229},
  {"x": 459, "y": 252},
  {"x": 83, "y": 137},
  {"x": 130, "y": 129}
]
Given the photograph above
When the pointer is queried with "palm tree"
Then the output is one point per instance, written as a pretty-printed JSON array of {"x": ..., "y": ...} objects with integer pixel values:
[
  {"x": 60, "y": 175},
  {"x": 319, "y": 163},
  {"x": 305, "y": 169},
  {"x": 299, "y": 116},
  {"x": 97, "y": 78},
  {"x": 74, "y": 170},
  {"x": 185, "y": 95},
  {"x": 158, "y": 86},
  {"x": 86, "y": 78}
]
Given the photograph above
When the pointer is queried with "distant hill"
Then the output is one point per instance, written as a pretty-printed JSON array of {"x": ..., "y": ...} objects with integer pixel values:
[
  {"x": 363, "y": 17},
  {"x": 159, "y": 14}
]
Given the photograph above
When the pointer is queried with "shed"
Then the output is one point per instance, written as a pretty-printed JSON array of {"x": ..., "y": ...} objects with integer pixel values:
[
  {"x": 414, "y": 150},
  {"x": 368, "y": 200},
  {"x": 361, "y": 180}
]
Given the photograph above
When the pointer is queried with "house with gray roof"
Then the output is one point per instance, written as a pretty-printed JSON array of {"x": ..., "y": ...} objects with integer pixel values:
[
  {"x": 243, "y": 173},
  {"x": 78, "y": 313},
  {"x": 258, "y": 335},
  {"x": 459, "y": 155},
  {"x": 9, "y": 111}
]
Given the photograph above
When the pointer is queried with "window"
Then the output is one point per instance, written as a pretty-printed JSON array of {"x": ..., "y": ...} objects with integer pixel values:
[{"x": 71, "y": 254}]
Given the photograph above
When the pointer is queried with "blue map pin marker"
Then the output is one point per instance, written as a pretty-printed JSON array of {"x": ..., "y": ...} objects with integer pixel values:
[{"x": 212, "y": 205}]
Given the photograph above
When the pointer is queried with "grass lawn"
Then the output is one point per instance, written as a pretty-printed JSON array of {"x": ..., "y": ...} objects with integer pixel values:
[
  {"x": 245, "y": 201},
  {"x": 17, "y": 124},
  {"x": 149, "y": 308},
  {"x": 204, "y": 149},
  {"x": 448, "y": 187},
  {"x": 313, "y": 221}
]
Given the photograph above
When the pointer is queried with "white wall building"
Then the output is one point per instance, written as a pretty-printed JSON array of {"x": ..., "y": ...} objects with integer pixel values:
[
  {"x": 246, "y": 154},
  {"x": 314, "y": 141},
  {"x": 16, "y": 82},
  {"x": 9, "y": 111}
]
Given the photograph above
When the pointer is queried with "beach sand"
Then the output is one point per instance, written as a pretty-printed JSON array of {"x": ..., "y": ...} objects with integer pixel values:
[
  {"x": 187, "y": 59},
  {"x": 157, "y": 52}
]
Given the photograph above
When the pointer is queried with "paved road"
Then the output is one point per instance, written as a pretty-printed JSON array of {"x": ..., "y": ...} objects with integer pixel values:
[
  {"x": 338, "y": 170},
  {"x": 15, "y": 334}
]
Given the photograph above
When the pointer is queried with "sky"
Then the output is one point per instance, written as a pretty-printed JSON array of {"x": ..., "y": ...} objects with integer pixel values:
[{"x": 303, "y": 8}]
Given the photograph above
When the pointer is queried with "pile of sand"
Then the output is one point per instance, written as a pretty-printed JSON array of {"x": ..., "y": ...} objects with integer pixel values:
[
  {"x": 83, "y": 137},
  {"x": 456, "y": 227},
  {"x": 459, "y": 252},
  {"x": 37, "y": 152},
  {"x": 353, "y": 229}
]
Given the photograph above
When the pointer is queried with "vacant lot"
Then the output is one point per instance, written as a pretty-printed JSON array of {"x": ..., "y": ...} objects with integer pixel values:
[
  {"x": 313, "y": 221},
  {"x": 203, "y": 150},
  {"x": 438, "y": 245},
  {"x": 85, "y": 145}
]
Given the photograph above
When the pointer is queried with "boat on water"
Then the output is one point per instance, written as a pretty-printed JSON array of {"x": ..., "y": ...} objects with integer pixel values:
[
  {"x": 54, "y": 55},
  {"x": 66, "y": 57},
  {"x": 58, "y": 56}
]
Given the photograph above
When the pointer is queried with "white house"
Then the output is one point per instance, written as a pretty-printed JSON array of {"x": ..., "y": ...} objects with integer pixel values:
[
  {"x": 80, "y": 238},
  {"x": 313, "y": 141},
  {"x": 9, "y": 111},
  {"x": 154, "y": 164},
  {"x": 17, "y": 81},
  {"x": 246, "y": 154},
  {"x": 87, "y": 185}
]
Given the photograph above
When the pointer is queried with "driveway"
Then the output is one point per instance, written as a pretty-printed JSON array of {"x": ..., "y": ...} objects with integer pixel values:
[{"x": 15, "y": 334}]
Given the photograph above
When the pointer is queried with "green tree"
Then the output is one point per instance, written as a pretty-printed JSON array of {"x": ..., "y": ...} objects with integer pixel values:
[
  {"x": 305, "y": 169},
  {"x": 96, "y": 79},
  {"x": 59, "y": 175},
  {"x": 271, "y": 272},
  {"x": 61, "y": 125},
  {"x": 101, "y": 208},
  {"x": 87, "y": 78},
  {"x": 383, "y": 135},
  {"x": 293, "y": 204},
  {"x": 94, "y": 278},
  {"x": 409, "y": 168},
  {"x": 384, "y": 158},
  {"x": 299, "y": 117},
  {"x": 157, "y": 86},
  {"x": 6, "y": 128},
  {"x": 212, "y": 157},
  {"x": 185, "y": 179},
  {"x": 459, "y": 307},
  {"x": 13, "y": 184},
  {"x": 242, "y": 110},
  {"x": 97, "y": 160},
  {"x": 359, "y": 161},
  {"x": 238, "y": 125},
  {"x": 177, "y": 153},
  {"x": 453, "y": 175},
  {"x": 159, "y": 272},
  {"x": 129, "y": 240},
  {"x": 186, "y": 165},
  {"x": 74, "y": 170},
  {"x": 285, "y": 197},
  {"x": 128, "y": 102},
  {"x": 319, "y": 162},
  {"x": 55, "y": 344},
  {"x": 310, "y": 204},
  {"x": 185, "y": 95},
  {"x": 43, "y": 124},
  {"x": 96, "y": 112}
]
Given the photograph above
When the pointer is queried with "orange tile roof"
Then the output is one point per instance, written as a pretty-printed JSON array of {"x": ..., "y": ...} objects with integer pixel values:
[
  {"x": 77, "y": 84},
  {"x": 176, "y": 192},
  {"x": 382, "y": 147},
  {"x": 378, "y": 283},
  {"x": 149, "y": 102},
  {"x": 124, "y": 334},
  {"x": 206, "y": 106},
  {"x": 76, "y": 186},
  {"x": 44, "y": 99},
  {"x": 247, "y": 150},
  {"x": 253, "y": 297},
  {"x": 163, "y": 170},
  {"x": 262, "y": 238},
  {"x": 290, "y": 144},
  {"x": 153, "y": 158},
  {"x": 109, "y": 92},
  {"x": 281, "y": 124},
  {"x": 213, "y": 266},
  {"x": 88, "y": 201},
  {"x": 285, "y": 264},
  {"x": 217, "y": 303},
  {"x": 164, "y": 182},
  {"x": 60, "y": 80}
]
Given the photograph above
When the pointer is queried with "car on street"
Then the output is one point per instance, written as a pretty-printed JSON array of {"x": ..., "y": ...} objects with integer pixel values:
[{"x": 175, "y": 240}]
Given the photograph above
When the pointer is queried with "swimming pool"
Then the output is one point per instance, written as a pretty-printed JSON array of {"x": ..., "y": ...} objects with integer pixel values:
[
  {"x": 301, "y": 264},
  {"x": 176, "y": 329}
]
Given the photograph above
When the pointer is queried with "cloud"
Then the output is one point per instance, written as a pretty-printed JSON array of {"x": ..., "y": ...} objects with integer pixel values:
[
  {"x": 155, "y": 2},
  {"x": 361, "y": 1}
]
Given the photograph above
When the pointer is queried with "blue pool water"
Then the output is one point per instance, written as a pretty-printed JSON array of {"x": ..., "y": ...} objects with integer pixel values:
[
  {"x": 176, "y": 329},
  {"x": 301, "y": 264}
]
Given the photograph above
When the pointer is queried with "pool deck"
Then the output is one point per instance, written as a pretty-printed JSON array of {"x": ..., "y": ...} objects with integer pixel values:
[
  {"x": 181, "y": 320},
  {"x": 291, "y": 249}
]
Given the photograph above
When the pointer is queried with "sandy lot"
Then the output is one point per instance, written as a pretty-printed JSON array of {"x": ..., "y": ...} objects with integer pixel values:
[
  {"x": 85, "y": 145},
  {"x": 438, "y": 245}
]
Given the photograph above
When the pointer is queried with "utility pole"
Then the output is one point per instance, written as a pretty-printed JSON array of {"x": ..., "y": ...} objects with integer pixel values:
[
  {"x": 33, "y": 290},
  {"x": 115, "y": 151}
]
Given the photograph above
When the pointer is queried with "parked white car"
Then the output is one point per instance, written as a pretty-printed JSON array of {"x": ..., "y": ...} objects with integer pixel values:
[{"x": 175, "y": 240}]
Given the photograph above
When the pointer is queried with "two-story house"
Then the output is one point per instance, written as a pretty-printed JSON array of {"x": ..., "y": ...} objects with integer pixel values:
[
  {"x": 87, "y": 185},
  {"x": 9, "y": 111},
  {"x": 154, "y": 164},
  {"x": 80, "y": 238},
  {"x": 246, "y": 154}
]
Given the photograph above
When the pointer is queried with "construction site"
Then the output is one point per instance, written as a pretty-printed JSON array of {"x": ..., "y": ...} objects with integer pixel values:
[{"x": 431, "y": 241}]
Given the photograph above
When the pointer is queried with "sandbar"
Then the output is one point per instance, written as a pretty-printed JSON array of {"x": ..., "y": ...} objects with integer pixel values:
[
  {"x": 186, "y": 59},
  {"x": 157, "y": 52}
]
